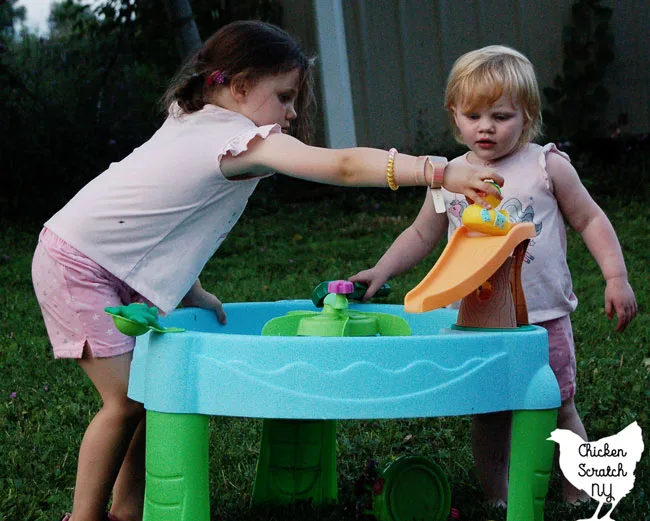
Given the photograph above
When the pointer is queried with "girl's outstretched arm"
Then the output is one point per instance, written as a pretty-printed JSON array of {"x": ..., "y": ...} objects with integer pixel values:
[
  {"x": 589, "y": 220},
  {"x": 350, "y": 166}
]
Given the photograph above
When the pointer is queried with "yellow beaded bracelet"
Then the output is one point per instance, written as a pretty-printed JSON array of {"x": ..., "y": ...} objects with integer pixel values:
[{"x": 390, "y": 169}]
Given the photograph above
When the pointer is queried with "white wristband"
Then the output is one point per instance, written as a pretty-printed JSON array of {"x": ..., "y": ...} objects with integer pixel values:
[{"x": 438, "y": 164}]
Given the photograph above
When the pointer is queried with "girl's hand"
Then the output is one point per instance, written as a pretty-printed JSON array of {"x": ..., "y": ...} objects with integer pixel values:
[
  {"x": 197, "y": 297},
  {"x": 470, "y": 181},
  {"x": 619, "y": 297},
  {"x": 372, "y": 278}
]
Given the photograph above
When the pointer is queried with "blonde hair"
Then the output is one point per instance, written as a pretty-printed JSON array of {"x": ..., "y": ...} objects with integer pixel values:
[{"x": 480, "y": 77}]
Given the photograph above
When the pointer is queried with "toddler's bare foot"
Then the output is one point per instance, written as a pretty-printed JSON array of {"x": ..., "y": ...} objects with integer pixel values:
[
  {"x": 497, "y": 503},
  {"x": 577, "y": 499}
]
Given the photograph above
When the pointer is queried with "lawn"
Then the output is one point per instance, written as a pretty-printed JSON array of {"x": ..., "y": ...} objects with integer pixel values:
[{"x": 281, "y": 250}]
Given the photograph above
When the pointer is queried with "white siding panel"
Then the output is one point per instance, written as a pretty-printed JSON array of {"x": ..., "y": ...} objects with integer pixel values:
[
  {"x": 459, "y": 29},
  {"x": 541, "y": 26},
  {"x": 499, "y": 23},
  {"x": 338, "y": 109},
  {"x": 425, "y": 77},
  {"x": 382, "y": 68}
]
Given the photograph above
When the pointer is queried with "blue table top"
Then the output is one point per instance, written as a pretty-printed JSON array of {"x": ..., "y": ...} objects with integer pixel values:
[{"x": 232, "y": 370}]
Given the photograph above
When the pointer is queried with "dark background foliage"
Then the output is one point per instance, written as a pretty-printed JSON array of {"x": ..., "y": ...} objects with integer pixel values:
[{"x": 87, "y": 94}]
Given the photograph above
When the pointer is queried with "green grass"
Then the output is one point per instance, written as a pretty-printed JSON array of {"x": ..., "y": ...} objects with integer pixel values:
[{"x": 282, "y": 250}]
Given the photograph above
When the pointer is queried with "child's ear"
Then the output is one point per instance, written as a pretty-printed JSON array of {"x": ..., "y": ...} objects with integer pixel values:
[
  {"x": 455, "y": 115},
  {"x": 239, "y": 87}
]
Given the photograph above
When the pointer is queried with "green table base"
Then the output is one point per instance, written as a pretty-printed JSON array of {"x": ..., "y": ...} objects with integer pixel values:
[
  {"x": 531, "y": 460},
  {"x": 297, "y": 462},
  {"x": 177, "y": 476},
  {"x": 177, "y": 455}
]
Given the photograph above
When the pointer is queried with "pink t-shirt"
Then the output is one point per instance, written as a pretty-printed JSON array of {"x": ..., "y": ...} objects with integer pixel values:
[
  {"x": 528, "y": 197},
  {"x": 154, "y": 219}
]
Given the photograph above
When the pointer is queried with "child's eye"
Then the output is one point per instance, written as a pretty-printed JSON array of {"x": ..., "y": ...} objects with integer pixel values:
[{"x": 502, "y": 117}]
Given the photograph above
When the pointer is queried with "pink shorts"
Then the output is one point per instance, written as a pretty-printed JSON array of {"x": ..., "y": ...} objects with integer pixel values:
[
  {"x": 562, "y": 354},
  {"x": 72, "y": 291}
]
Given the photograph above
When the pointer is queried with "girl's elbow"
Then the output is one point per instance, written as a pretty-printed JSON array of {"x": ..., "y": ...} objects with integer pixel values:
[{"x": 346, "y": 172}]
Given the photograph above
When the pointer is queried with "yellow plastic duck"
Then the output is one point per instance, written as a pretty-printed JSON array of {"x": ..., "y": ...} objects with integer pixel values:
[{"x": 489, "y": 222}]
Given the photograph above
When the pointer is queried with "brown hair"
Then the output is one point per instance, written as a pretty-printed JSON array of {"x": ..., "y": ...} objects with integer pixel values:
[
  {"x": 250, "y": 49},
  {"x": 482, "y": 76}
]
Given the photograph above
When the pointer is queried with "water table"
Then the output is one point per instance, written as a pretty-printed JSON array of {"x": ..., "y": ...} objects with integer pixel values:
[
  {"x": 231, "y": 370},
  {"x": 483, "y": 359}
]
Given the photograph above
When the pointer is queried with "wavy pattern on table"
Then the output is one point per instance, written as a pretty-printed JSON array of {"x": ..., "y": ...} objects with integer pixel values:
[{"x": 359, "y": 380}]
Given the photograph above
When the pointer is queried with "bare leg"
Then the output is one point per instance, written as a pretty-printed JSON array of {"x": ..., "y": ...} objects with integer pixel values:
[
  {"x": 107, "y": 437},
  {"x": 568, "y": 418},
  {"x": 128, "y": 492},
  {"x": 491, "y": 448}
]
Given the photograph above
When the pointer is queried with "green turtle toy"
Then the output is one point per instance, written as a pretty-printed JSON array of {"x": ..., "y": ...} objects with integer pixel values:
[{"x": 137, "y": 319}]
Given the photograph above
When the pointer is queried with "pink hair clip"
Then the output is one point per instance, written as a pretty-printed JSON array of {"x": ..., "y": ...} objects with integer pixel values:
[{"x": 216, "y": 77}]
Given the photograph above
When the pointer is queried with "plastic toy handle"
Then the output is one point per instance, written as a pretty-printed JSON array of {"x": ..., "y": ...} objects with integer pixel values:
[
  {"x": 357, "y": 292},
  {"x": 340, "y": 287},
  {"x": 361, "y": 288}
]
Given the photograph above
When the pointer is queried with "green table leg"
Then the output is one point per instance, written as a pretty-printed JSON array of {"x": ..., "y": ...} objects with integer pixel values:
[
  {"x": 297, "y": 462},
  {"x": 176, "y": 468},
  {"x": 531, "y": 460}
]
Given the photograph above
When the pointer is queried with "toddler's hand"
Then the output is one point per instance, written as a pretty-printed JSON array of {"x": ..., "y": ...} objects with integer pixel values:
[
  {"x": 619, "y": 297},
  {"x": 372, "y": 278},
  {"x": 470, "y": 181},
  {"x": 197, "y": 297}
]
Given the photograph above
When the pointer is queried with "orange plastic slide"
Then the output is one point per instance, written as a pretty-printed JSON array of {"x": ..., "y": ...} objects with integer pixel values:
[{"x": 466, "y": 263}]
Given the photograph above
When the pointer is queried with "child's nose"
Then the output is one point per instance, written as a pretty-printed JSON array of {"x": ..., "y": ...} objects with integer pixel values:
[
  {"x": 486, "y": 125},
  {"x": 291, "y": 113}
]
